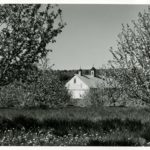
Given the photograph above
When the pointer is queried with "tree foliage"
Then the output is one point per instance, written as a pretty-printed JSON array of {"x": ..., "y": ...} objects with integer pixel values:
[
  {"x": 133, "y": 58},
  {"x": 46, "y": 90},
  {"x": 26, "y": 30}
]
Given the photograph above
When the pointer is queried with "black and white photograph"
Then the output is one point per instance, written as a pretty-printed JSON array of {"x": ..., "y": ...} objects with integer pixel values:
[{"x": 74, "y": 74}]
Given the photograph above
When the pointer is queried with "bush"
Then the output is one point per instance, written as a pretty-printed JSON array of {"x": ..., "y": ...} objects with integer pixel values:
[
  {"x": 95, "y": 97},
  {"x": 44, "y": 91},
  {"x": 12, "y": 95},
  {"x": 102, "y": 96},
  {"x": 47, "y": 91}
]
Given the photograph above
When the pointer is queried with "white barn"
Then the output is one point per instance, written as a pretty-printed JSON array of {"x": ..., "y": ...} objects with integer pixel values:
[{"x": 80, "y": 84}]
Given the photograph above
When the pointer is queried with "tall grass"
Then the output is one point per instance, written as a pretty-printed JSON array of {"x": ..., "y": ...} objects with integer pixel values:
[
  {"x": 75, "y": 126},
  {"x": 77, "y": 113},
  {"x": 106, "y": 131}
]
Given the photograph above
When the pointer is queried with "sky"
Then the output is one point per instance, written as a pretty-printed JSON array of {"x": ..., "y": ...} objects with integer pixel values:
[{"x": 90, "y": 32}]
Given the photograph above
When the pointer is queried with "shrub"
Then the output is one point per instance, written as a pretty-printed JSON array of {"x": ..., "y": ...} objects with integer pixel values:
[
  {"x": 95, "y": 97},
  {"x": 12, "y": 95},
  {"x": 102, "y": 96},
  {"x": 48, "y": 91},
  {"x": 44, "y": 90}
]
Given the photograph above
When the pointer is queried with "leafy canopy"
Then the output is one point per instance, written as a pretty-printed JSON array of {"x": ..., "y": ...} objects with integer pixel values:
[
  {"x": 133, "y": 57},
  {"x": 25, "y": 33}
]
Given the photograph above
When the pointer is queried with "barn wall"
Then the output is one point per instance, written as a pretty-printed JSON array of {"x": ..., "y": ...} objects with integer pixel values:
[
  {"x": 77, "y": 88},
  {"x": 78, "y": 94}
]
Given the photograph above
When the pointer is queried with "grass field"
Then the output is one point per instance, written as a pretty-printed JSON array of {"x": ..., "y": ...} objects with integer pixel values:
[
  {"x": 75, "y": 113},
  {"x": 105, "y": 126}
]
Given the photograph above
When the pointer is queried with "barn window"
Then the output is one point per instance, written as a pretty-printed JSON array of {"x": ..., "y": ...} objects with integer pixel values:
[{"x": 74, "y": 80}]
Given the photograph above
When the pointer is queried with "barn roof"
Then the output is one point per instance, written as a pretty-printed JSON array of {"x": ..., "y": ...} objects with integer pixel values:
[
  {"x": 93, "y": 68},
  {"x": 94, "y": 82}
]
